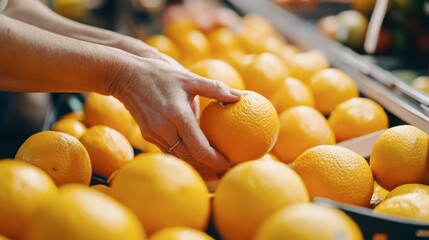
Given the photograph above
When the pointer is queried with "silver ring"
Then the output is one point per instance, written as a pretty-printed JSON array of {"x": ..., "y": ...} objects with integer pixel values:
[{"x": 170, "y": 149}]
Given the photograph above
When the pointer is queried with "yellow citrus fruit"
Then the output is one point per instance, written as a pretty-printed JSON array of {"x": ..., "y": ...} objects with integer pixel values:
[
  {"x": 222, "y": 40},
  {"x": 70, "y": 126},
  {"x": 108, "y": 149},
  {"x": 291, "y": 93},
  {"x": 258, "y": 23},
  {"x": 357, "y": 117},
  {"x": 175, "y": 29},
  {"x": 217, "y": 70},
  {"x": 73, "y": 115},
  {"x": 399, "y": 156},
  {"x": 180, "y": 233},
  {"x": 194, "y": 45},
  {"x": 301, "y": 128},
  {"x": 101, "y": 188},
  {"x": 303, "y": 65},
  {"x": 163, "y": 191},
  {"x": 243, "y": 130},
  {"x": 250, "y": 192},
  {"x": 409, "y": 188},
  {"x": 164, "y": 45},
  {"x": 135, "y": 138},
  {"x": 264, "y": 73},
  {"x": 421, "y": 83},
  {"x": 331, "y": 87},
  {"x": 286, "y": 52},
  {"x": 308, "y": 221},
  {"x": 59, "y": 154},
  {"x": 336, "y": 173},
  {"x": 107, "y": 110},
  {"x": 151, "y": 148},
  {"x": 23, "y": 187},
  {"x": 414, "y": 206},
  {"x": 79, "y": 212},
  {"x": 378, "y": 195}
]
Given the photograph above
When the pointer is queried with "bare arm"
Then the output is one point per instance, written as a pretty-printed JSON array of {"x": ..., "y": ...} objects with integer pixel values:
[
  {"x": 157, "y": 94},
  {"x": 38, "y": 60},
  {"x": 38, "y": 14}
]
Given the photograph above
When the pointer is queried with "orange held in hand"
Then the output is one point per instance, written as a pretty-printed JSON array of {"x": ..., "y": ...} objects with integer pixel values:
[{"x": 243, "y": 130}]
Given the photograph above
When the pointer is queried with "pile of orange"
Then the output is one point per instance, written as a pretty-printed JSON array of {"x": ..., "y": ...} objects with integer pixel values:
[{"x": 280, "y": 138}]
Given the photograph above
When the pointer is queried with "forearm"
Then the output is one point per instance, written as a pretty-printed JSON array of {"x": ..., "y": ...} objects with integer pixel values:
[
  {"x": 36, "y": 13},
  {"x": 34, "y": 60}
]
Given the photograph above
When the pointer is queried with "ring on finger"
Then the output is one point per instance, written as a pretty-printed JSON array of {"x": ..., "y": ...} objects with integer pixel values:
[{"x": 170, "y": 149}]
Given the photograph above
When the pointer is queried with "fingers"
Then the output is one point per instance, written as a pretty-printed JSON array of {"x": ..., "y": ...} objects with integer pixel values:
[
  {"x": 194, "y": 145},
  {"x": 214, "y": 89}
]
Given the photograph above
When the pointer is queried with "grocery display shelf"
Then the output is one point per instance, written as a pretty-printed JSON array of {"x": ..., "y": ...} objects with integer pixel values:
[{"x": 381, "y": 85}]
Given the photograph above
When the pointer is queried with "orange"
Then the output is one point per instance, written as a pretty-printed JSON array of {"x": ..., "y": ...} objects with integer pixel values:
[
  {"x": 408, "y": 188},
  {"x": 180, "y": 233},
  {"x": 331, "y": 87},
  {"x": 258, "y": 23},
  {"x": 194, "y": 45},
  {"x": 74, "y": 115},
  {"x": 414, "y": 206},
  {"x": 308, "y": 221},
  {"x": 217, "y": 70},
  {"x": 286, "y": 52},
  {"x": 151, "y": 148},
  {"x": 303, "y": 65},
  {"x": 164, "y": 45},
  {"x": 101, "y": 188},
  {"x": 421, "y": 83},
  {"x": 174, "y": 29},
  {"x": 378, "y": 195},
  {"x": 59, "y": 154},
  {"x": 108, "y": 149},
  {"x": 250, "y": 192},
  {"x": 79, "y": 212},
  {"x": 396, "y": 149},
  {"x": 223, "y": 40},
  {"x": 23, "y": 187},
  {"x": 265, "y": 73},
  {"x": 301, "y": 128},
  {"x": 163, "y": 191},
  {"x": 291, "y": 93},
  {"x": 2, "y": 237},
  {"x": 107, "y": 110},
  {"x": 243, "y": 130},
  {"x": 135, "y": 138},
  {"x": 336, "y": 173},
  {"x": 70, "y": 126},
  {"x": 357, "y": 117}
]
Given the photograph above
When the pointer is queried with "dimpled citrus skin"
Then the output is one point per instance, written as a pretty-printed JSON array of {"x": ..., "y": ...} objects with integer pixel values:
[
  {"x": 79, "y": 212},
  {"x": 243, "y": 130},
  {"x": 308, "y": 221},
  {"x": 399, "y": 156},
  {"x": 411, "y": 205},
  {"x": 163, "y": 191},
  {"x": 23, "y": 187},
  {"x": 408, "y": 188},
  {"x": 250, "y": 192},
  {"x": 336, "y": 173},
  {"x": 180, "y": 233},
  {"x": 59, "y": 154}
]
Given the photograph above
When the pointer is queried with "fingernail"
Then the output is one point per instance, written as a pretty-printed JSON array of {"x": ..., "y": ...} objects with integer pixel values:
[{"x": 235, "y": 92}]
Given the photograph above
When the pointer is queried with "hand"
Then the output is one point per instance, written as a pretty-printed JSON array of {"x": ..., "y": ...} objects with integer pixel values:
[{"x": 160, "y": 96}]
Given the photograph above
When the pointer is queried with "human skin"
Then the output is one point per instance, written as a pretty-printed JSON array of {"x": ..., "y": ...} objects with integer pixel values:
[{"x": 157, "y": 91}]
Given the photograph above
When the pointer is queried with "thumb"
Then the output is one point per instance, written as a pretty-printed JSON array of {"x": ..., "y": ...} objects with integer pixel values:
[{"x": 216, "y": 89}]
